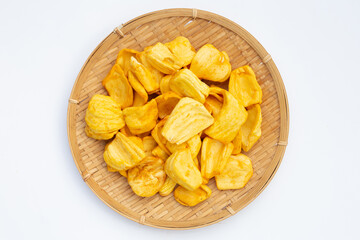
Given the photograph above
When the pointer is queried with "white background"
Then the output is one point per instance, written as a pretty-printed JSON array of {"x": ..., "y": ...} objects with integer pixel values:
[{"x": 315, "y": 193}]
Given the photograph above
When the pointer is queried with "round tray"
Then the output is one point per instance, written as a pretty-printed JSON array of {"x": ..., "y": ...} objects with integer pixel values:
[{"x": 200, "y": 27}]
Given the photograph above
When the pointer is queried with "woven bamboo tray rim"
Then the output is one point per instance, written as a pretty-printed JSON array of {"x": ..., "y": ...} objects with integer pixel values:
[{"x": 77, "y": 102}]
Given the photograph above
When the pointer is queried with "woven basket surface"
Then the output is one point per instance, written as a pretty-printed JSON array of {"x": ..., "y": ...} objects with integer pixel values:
[{"x": 200, "y": 28}]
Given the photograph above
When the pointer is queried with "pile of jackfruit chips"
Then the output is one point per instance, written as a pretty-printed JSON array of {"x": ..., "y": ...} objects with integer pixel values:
[{"x": 159, "y": 143}]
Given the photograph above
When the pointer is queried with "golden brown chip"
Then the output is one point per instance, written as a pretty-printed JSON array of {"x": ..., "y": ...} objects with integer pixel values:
[
  {"x": 214, "y": 155},
  {"x": 251, "y": 129},
  {"x": 228, "y": 121},
  {"x": 244, "y": 87},
  {"x": 123, "y": 59},
  {"x": 167, "y": 188},
  {"x": 237, "y": 143},
  {"x": 181, "y": 169},
  {"x": 182, "y": 49},
  {"x": 161, "y": 58},
  {"x": 236, "y": 174},
  {"x": 192, "y": 198},
  {"x": 188, "y": 118},
  {"x": 187, "y": 84},
  {"x": 103, "y": 117},
  {"x": 166, "y": 103},
  {"x": 122, "y": 153},
  {"x": 147, "y": 178},
  {"x": 144, "y": 76},
  {"x": 211, "y": 64},
  {"x": 118, "y": 86},
  {"x": 141, "y": 119}
]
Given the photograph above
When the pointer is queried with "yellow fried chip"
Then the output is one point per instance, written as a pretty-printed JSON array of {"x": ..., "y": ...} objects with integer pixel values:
[
  {"x": 167, "y": 188},
  {"x": 182, "y": 49},
  {"x": 159, "y": 138},
  {"x": 144, "y": 76},
  {"x": 103, "y": 117},
  {"x": 140, "y": 94},
  {"x": 237, "y": 143},
  {"x": 123, "y": 173},
  {"x": 141, "y": 119},
  {"x": 158, "y": 152},
  {"x": 118, "y": 86},
  {"x": 181, "y": 169},
  {"x": 166, "y": 103},
  {"x": 187, "y": 84},
  {"x": 213, "y": 105},
  {"x": 161, "y": 58},
  {"x": 122, "y": 153},
  {"x": 188, "y": 118},
  {"x": 214, "y": 155},
  {"x": 99, "y": 136},
  {"x": 138, "y": 141},
  {"x": 244, "y": 87},
  {"x": 110, "y": 169},
  {"x": 251, "y": 129},
  {"x": 149, "y": 144},
  {"x": 165, "y": 83},
  {"x": 147, "y": 178},
  {"x": 141, "y": 57},
  {"x": 123, "y": 59},
  {"x": 192, "y": 198},
  {"x": 228, "y": 121},
  {"x": 236, "y": 174},
  {"x": 211, "y": 64}
]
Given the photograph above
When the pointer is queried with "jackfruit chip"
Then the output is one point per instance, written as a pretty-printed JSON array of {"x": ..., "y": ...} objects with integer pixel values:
[
  {"x": 244, "y": 87},
  {"x": 103, "y": 117},
  {"x": 237, "y": 143},
  {"x": 182, "y": 49},
  {"x": 158, "y": 152},
  {"x": 149, "y": 144},
  {"x": 196, "y": 162},
  {"x": 192, "y": 198},
  {"x": 228, "y": 121},
  {"x": 99, "y": 136},
  {"x": 147, "y": 178},
  {"x": 123, "y": 173},
  {"x": 181, "y": 168},
  {"x": 188, "y": 118},
  {"x": 211, "y": 64},
  {"x": 187, "y": 84},
  {"x": 251, "y": 129},
  {"x": 141, "y": 57},
  {"x": 213, "y": 105},
  {"x": 216, "y": 92},
  {"x": 122, "y": 153},
  {"x": 214, "y": 155},
  {"x": 137, "y": 141},
  {"x": 141, "y": 119},
  {"x": 123, "y": 59},
  {"x": 159, "y": 138},
  {"x": 165, "y": 84},
  {"x": 126, "y": 131},
  {"x": 236, "y": 173},
  {"x": 140, "y": 94},
  {"x": 118, "y": 86},
  {"x": 110, "y": 169},
  {"x": 161, "y": 58},
  {"x": 144, "y": 76},
  {"x": 167, "y": 188},
  {"x": 166, "y": 103}
]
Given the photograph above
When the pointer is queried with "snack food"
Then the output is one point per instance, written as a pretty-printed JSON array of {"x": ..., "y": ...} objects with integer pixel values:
[{"x": 172, "y": 128}]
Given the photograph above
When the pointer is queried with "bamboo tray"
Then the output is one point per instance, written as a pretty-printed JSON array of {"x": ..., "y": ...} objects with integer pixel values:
[{"x": 200, "y": 27}]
